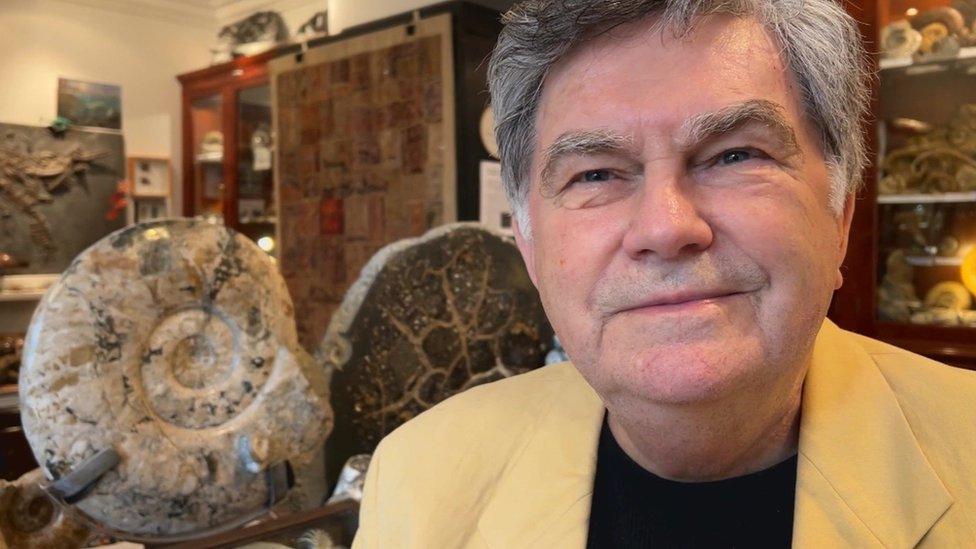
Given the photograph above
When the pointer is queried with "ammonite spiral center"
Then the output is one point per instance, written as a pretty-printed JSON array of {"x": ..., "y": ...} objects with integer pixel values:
[
  {"x": 195, "y": 364},
  {"x": 192, "y": 356},
  {"x": 31, "y": 511}
]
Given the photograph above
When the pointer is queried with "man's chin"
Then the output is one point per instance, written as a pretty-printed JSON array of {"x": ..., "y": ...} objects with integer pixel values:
[{"x": 688, "y": 375}]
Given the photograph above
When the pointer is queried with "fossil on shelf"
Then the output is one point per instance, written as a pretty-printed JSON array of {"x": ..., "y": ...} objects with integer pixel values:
[{"x": 939, "y": 161}]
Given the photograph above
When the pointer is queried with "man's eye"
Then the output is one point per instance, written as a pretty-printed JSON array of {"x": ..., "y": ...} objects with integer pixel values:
[
  {"x": 735, "y": 156},
  {"x": 595, "y": 176}
]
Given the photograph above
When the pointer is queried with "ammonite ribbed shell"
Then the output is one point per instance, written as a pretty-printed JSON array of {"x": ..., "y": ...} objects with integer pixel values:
[{"x": 171, "y": 342}]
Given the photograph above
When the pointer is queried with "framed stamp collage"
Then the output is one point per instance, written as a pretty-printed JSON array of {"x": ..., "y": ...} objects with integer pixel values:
[{"x": 365, "y": 132}]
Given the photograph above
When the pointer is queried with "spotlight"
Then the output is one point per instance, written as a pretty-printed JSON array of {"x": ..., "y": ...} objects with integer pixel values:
[{"x": 266, "y": 243}]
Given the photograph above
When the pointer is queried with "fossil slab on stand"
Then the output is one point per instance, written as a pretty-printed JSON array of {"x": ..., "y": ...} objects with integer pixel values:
[{"x": 428, "y": 318}]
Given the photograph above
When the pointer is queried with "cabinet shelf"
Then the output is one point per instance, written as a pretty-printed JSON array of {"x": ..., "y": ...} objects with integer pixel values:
[
  {"x": 933, "y": 261},
  {"x": 209, "y": 158},
  {"x": 9, "y": 401},
  {"x": 965, "y": 60},
  {"x": 927, "y": 198}
]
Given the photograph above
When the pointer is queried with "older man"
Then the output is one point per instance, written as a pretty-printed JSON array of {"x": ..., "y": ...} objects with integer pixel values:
[{"x": 683, "y": 176}]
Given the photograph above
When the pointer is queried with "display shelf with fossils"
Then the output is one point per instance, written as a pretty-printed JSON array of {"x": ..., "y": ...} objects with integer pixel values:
[
  {"x": 926, "y": 189},
  {"x": 933, "y": 35}
]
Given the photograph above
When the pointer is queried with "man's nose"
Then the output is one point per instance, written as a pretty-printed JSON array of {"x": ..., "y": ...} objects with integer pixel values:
[{"x": 665, "y": 222}]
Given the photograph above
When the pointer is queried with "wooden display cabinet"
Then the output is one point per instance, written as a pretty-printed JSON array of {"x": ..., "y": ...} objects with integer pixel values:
[
  {"x": 227, "y": 146},
  {"x": 915, "y": 219}
]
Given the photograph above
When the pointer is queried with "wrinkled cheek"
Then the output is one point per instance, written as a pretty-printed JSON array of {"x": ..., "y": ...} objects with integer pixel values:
[{"x": 564, "y": 303}]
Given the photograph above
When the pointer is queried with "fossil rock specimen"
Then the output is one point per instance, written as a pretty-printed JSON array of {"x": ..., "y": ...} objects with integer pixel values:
[
  {"x": 174, "y": 344},
  {"x": 29, "y": 178},
  {"x": 942, "y": 160},
  {"x": 30, "y": 519},
  {"x": 428, "y": 318}
]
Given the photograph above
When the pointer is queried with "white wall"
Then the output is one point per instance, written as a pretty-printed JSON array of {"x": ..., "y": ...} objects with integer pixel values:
[
  {"x": 42, "y": 40},
  {"x": 349, "y": 13}
]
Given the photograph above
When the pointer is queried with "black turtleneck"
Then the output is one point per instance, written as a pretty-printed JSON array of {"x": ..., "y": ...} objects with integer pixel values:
[{"x": 633, "y": 507}]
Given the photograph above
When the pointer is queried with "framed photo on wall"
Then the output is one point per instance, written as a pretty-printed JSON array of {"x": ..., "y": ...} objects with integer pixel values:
[
  {"x": 90, "y": 104},
  {"x": 151, "y": 177}
]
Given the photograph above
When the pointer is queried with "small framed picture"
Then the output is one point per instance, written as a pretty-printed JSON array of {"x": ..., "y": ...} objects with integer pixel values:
[
  {"x": 150, "y": 177},
  {"x": 149, "y": 209}
]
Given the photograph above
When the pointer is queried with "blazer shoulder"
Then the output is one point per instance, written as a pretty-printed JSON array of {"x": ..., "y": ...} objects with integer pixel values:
[{"x": 930, "y": 393}]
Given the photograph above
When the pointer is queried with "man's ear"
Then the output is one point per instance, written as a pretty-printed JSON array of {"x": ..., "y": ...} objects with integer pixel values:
[
  {"x": 527, "y": 248},
  {"x": 844, "y": 236}
]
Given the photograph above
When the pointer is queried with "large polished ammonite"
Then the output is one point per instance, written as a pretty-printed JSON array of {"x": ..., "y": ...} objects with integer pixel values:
[{"x": 174, "y": 344}]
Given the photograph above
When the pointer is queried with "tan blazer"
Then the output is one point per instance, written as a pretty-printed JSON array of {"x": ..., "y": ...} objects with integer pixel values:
[{"x": 887, "y": 458}]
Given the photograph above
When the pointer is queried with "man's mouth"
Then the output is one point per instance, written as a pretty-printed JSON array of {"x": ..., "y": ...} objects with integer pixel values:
[{"x": 678, "y": 301}]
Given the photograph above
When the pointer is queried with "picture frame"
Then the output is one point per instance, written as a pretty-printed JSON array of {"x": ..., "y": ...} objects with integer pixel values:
[
  {"x": 150, "y": 209},
  {"x": 92, "y": 105},
  {"x": 150, "y": 177}
]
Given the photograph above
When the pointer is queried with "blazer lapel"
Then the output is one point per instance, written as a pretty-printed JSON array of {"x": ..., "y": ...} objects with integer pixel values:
[
  {"x": 862, "y": 479},
  {"x": 543, "y": 497}
]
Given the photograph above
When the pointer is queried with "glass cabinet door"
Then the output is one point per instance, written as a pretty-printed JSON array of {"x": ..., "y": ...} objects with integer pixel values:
[
  {"x": 255, "y": 170},
  {"x": 206, "y": 119},
  {"x": 927, "y": 164}
]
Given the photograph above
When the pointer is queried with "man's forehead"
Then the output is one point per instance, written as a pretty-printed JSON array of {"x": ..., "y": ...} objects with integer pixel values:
[
  {"x": 734, "y": 35},
  {"x": 573, "y": 97}
]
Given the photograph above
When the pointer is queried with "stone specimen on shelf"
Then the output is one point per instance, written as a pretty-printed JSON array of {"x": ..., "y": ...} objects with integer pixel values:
[
  {"x": 30, "y": 519},
  {"x": 939, "y": 25},
  {"x": 174, "y": 344},
  {"x": 896, "y": 293},
  {"x": 948, "y": 294},
  {"x": 942, "y": 160},
  {"x": 899, "y": 39},
  {"x": 11, "y": 348},
  {"x": 428, "y": 318},
  {"x": 941, "y": 316},
  {"x": 254, "y": 34},
  {"x": 352, "y": 478},
  {"x": 315, "y": 26}
]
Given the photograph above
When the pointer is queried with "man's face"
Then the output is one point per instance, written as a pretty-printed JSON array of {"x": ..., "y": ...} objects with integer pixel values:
[{"x": 682, "y": 238}]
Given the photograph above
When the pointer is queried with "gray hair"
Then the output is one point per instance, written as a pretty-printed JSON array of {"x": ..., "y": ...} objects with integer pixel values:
[{"x": 819, "y": 41}]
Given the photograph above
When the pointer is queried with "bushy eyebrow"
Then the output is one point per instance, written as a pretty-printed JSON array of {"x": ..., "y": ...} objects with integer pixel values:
[
  {"x": 584, "y": 143},
  {"x": 706, "y": 126},
  {"x": 693, "y": 132}
]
